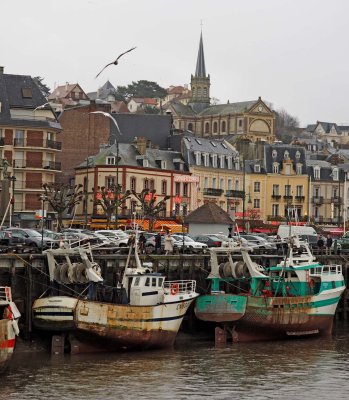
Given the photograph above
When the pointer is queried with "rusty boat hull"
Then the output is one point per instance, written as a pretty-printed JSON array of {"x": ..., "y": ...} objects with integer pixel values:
[
  {"x": 254, "y": 318},
  {"x": 112, "y": 326},
  {"x": 7, "y": 343}
]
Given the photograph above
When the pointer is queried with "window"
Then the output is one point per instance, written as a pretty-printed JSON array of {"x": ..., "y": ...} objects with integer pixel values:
[
  {"x": 286, "y": 155},
  {"x": 222, "y": 161},
  {"x": 214, "y": 160},
  {"x": 299, "y": 190},
  {"x": 256, "y": 203},
  {"x": 316, "y": 172},
  {"x": 257, "y": 187},
  {"x": 206, "y": 183},
  {"x": 27, "y": 93},
  {"x": 240, "y": 123},
  {"x": 145, "y": 162},
  {"x": 275, "y": 168},
  {"x": 213, "y": 144},
  {"x": 198, "y": 158},
  {"x": 230, "y": 184},
  {"x": 151, "y": 184},
  {"x": 316, "y": 192},
  {"x": 163, "y": 164},
  {"x": 230, "y": 162},
  {"x": 110, "y": 160},
  {"x": 109, "y": 181},
  {"x": 237, "y": 163},
  {"x": 287, "y": 190},
  {"x": 206, "y": 159},
  {"x": 133, "y": 183},
  {"x": 299, "y": 169},
  {"x": 237, "y": 184},
  {"x": 274, "y": 154},
  {"x": 214, "y": 183},
  {"x": 215, "y": 127},
  {"x": 224, "y": 145},
  {"x": 177, "y": 188},
  {"x": 185, "y": 189},
  {"x": 190, "y": 127},
  {"x": 223, "y": 126},
  {"x": 335, "y": 192},
  {"x": 133, "y": 206},
  {"x": 207, "y": 127},
  {"x": 198, "y": 141},
  {"x": 257, "y": 168},
  {"x": 221, "y": 183},
  {"x": 146, "y": 183},
  {"x": 19, "y": 137},
  {"x": 164, "y": 187},
  {"x": 298, "y": 155},
  {"x": 335, "y": 174},
  {"x": 276, "y": 190},
  {"x": 275, "y": 210},
  {"x": 288, "y": 169}
]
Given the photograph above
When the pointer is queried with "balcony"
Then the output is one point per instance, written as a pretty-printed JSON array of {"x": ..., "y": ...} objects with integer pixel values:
[
  {"x": 212, "y": 192},
  {"x": 19, "y": 142},
  {"x": 276, "y": 218},
  {"x": 300, "y": 199},
  {"x": 18, "y": 163},
  {"x": 235, "y": 193},
  {"x": 52, "y": 165},
  {"x": 318, "y": 200},
  {"x": 336, "y": 200},
  {"x": 276, "y": 196},
  {"x": 2, "y": 141},
  {"x": 51, "y": 144}
]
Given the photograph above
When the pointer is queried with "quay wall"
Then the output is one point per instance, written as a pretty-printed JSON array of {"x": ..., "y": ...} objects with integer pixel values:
[{"x": 27, "y": 274}]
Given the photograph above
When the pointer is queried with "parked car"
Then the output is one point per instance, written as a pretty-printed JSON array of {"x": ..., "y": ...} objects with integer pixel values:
[
  {"x": 209, "y": 240},
  {"x": 313, "y": 240},
  {"x": 119, "y": 237},
  {"x": 8, "y": 240},
  {"x": 32, "y": 238},
  {"x": 259, "y": 242},
  {"x": 190, "y": 245},
  {"x": 150, "y": 242}
]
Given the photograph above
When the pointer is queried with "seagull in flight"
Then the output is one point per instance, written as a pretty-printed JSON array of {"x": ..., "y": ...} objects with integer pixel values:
[
  {"x": 116, "y": 62},
  {"x": 108, "y": 116}
]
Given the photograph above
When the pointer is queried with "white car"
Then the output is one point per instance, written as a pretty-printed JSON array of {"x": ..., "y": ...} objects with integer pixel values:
[
  {"x": 189, "y": 244},
  {"x": 120, "y": 238}
]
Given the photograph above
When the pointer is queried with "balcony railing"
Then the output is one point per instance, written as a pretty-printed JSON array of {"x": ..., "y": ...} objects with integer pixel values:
[
  {"x": 276, "y": 218},
  {"x": 318, "y": 200},
  {"x": 300, "y": 198},
  {"x": 18, "y": 163},
  {"x": 20, "y": 142},
  {"x": 212, "y": 192},
  {"x": 235, "y": 193},
  {"x": 2, "y": 141},
  {"x": 336, "y": 200},
  {"x": 276, "y": 196},
  {"x": 51, "y": 144},
  {"x": 52, "y": 165},
  {"x": 288, "y": 197}
]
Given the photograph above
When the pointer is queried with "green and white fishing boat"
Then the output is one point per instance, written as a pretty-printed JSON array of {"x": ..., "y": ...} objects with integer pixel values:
[{"x": 296, "y": 297}]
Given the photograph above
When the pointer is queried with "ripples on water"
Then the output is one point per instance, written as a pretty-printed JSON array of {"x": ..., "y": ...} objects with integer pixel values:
[{"x": 296, "y": 369}]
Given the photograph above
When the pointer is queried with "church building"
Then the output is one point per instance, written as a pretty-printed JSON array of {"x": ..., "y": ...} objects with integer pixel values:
[{"x": 251, "y": 120}]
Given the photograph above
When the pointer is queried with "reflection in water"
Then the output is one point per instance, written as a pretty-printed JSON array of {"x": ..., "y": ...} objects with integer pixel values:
[{"x": 307, "y": 368}]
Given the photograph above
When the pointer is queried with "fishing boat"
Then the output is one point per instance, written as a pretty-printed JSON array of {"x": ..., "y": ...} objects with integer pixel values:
[
  {"x": 9, "y": 316},
  {"x": 144, "y": 311},
  {"x": 296, "y": 297}
]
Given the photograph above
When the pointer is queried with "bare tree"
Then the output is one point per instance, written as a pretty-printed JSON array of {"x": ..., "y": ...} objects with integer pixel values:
[
  {"x": 150, "y": 207},
  {"x": 62, "y": 198},
  {"x": 286, "y": 126},
  {"x": 110, "y": 199}
]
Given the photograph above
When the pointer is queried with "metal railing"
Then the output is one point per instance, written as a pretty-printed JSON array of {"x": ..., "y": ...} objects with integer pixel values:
[
  {"x": 300, "y": 198},
  {"x": 336, "y": 200},
  {"x": 235, "y": 193},
  {"x": 180, "y": 287},
  {"x": 212, "y": 192},
  {"x": 20, "y": 142},
  {"x": 318, "y": 199},
  {"x": 52, "y": 144},
  {"x": 52, "y": 165},
  {"x": 276, "y": 196}
]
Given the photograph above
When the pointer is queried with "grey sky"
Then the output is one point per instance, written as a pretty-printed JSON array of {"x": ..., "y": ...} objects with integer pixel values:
[{"x": 293, "y": 53}]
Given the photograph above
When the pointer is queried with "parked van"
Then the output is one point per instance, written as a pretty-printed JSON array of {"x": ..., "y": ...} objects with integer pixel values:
[{"x": 285, "y": 230}]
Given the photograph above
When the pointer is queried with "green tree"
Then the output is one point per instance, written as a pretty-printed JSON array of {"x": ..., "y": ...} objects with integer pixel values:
[
  {"x": 287, "y": 126},
  {"x": 142, "y": 89},
  {"x": 151, "y": 208},
  {"x": 62, "y": 198},
  {"x": 45, "y": 90},
  {"x": 110, "y": 199}
]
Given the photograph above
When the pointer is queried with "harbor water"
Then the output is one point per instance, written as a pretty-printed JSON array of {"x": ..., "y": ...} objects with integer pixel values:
[{"x": 195, "y": 369}]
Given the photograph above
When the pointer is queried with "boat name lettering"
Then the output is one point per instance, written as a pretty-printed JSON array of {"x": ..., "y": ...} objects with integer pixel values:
[{"x": 181, "y": 306}]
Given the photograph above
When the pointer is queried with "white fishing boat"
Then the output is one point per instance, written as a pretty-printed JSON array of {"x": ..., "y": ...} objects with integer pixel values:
[
  {"x": 146, "y": 311},
  {"x": 9, "y": 316}
]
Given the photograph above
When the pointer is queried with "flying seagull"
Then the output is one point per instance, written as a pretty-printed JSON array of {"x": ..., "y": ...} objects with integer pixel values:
[
  {"x": 116, "y": 62},
  {"x": 108, "y": 116}
]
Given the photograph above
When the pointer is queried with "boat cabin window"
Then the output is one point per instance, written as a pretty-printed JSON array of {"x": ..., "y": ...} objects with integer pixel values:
[
  {"x": 161, "y": 280},
  {"x": 147, "y": 282},
  {"x": 154, "y": 282},
  {"x": 136, "y": 283}
]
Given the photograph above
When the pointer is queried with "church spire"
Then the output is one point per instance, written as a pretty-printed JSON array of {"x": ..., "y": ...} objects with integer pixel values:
[{"x": 200, "y": 64}]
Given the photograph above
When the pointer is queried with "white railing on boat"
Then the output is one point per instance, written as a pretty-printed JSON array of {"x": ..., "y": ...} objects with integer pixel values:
[
  {"x": 180, "y": 287},
  {"x": 331, "y": 269},
  {"x": 5, "y": 294}
]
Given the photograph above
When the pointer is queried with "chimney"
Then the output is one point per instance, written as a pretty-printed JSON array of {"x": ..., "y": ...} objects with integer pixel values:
[
  {"x": 141, "y": 145},
  {"x": 1, "y": 70}
]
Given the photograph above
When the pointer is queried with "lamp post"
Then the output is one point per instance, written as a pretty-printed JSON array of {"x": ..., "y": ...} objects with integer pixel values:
[
  {"x": 43, "y": 198},
  {"x": 12, "y": 180},
  {"x": 178, "y": 201}
]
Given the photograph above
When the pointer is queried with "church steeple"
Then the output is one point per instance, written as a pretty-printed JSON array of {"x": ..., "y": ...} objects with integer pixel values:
[{"x": 200, "y": 83}]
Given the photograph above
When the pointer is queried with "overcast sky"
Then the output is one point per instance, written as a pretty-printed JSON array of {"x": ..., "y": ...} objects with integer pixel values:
[{"x": 292, "y": 53}]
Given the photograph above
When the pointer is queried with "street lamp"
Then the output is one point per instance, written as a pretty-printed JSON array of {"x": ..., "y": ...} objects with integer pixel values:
[
  {"x": 12, "y": 179},
  {"x": 43, "y": 198}
]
